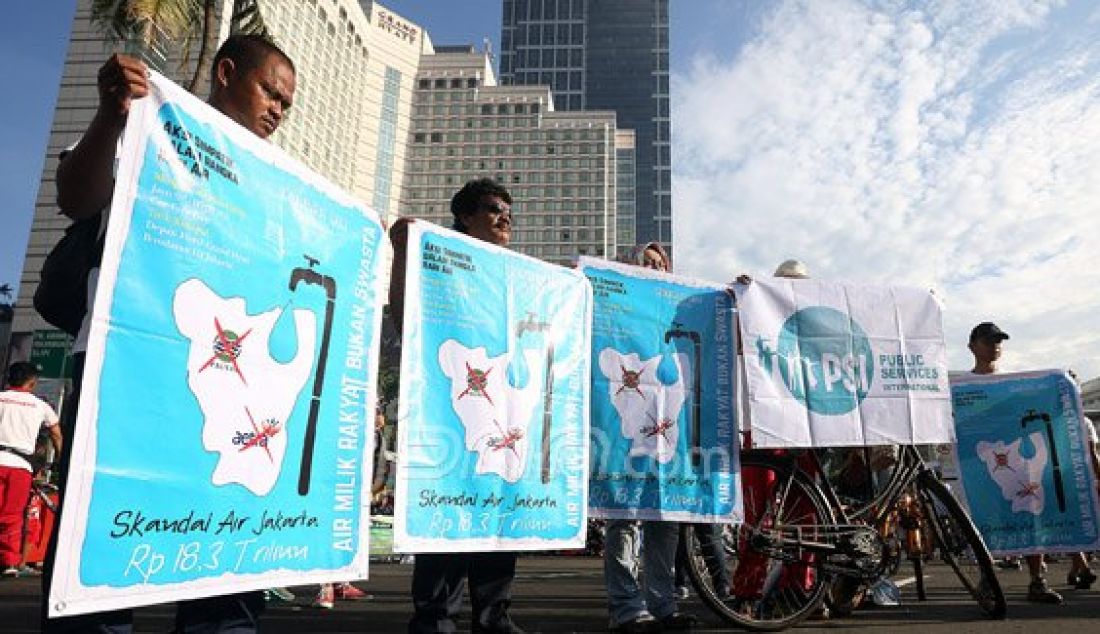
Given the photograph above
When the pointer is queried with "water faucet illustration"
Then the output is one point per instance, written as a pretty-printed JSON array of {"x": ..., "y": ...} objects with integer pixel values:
[
  {"x": 678, "y": 332},
  {"x": 530, "y": 324},
  {"x": 310, "y": 276},
  {"x": 1059, "y": 489}
]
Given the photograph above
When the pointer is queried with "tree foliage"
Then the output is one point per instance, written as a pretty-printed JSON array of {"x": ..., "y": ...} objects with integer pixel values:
[{"x": 175, "y": 25}]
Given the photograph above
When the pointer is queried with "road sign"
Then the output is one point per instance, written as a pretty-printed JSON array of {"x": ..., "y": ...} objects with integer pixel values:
[{"x": 51, "y": 351}]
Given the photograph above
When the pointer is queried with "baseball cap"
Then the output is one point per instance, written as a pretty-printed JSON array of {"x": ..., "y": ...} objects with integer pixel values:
[{"x": 987, "y": 330}]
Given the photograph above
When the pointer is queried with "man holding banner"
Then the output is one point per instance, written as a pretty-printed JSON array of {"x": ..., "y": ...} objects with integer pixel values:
[
  {"x": 253, "y": 83},
  {"x": 482, "y": 209},
  {"x": 650, "y": 606},
  {"x": 986, "y": 340}
]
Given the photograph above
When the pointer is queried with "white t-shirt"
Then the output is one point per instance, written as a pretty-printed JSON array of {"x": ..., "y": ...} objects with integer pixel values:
[{"x": 22, "y": 415}]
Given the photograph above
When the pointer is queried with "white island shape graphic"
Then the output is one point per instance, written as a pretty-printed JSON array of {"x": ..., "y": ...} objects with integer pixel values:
[
  {"x": 649, "y": 410},
  {"x": 1019, "y": 478},
  {"x": 496, "y": 415},
  {"x": 245, "y": 395}
]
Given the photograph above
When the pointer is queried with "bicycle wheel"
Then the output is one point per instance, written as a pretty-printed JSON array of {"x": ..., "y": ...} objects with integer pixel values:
[
  {"x": 960, "y": 545},
  {"x": 773, "y": 582}
]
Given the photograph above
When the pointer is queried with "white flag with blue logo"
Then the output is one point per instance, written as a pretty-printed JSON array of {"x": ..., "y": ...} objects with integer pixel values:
[{"x": 836, "y": 364}]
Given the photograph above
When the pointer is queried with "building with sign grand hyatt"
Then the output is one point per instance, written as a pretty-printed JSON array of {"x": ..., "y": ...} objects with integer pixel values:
[
  {"x": 356, "y": 67},
  {"x": 386, "y": 116}
]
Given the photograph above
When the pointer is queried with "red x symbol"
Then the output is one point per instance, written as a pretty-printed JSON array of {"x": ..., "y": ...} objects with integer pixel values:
[
  {"x": 261, "y": 435},
  {"x": 227, "y": 349},
  {"x": 477, "y": 383},
  {"x": 631, "y": 380},
  {"x": 507, "y": 440}
]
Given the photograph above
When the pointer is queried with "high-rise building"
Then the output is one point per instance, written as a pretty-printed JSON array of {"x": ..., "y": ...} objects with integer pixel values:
[
  {"x": 603, "y": 55},
  {"x": 355, "y": 68},
  {"x": 559, "y": 166},
  {"x": 625, "y": 194},
  {"x": 355, "y": 121}
]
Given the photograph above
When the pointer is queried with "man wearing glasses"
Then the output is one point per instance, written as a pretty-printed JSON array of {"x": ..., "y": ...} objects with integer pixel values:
[{"x": 482, "y": 209}]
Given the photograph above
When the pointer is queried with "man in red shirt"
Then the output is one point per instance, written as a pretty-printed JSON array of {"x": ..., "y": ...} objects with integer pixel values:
[{"x": 22, "y": 415}]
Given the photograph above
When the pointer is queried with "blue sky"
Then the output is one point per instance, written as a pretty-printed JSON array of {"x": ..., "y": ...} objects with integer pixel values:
[
  {"x": 944, "y": 144},
  {"x": 33, "y": 41}
]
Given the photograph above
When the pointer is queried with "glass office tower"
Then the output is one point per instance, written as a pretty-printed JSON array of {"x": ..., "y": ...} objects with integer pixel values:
[{"x": 603, "y": 55}]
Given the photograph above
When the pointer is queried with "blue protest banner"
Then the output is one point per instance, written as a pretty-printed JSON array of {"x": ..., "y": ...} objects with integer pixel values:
[
  {"x": 1023, "y": 459},
  {"x": 664, "y": 432},
  {"x": 222, "y": 437},
  {"x": 493, "y": 420}
]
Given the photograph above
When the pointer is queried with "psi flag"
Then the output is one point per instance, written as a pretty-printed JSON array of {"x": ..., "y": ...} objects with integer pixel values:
[
  {"x": 833, "y": 364},
  {"x": 223, "y": 432},
  {"x": 1023, "y": 453}
]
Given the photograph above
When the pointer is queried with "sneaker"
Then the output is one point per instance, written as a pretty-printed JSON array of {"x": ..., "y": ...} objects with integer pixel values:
[
  {"x": 1082, "y": 580},
  {"x": 279, "y": 594},
  {"x": 29, "y": 571},
  {"x": 682, "y": 592},
  {"x": 326, "y": 597},
  {"x": 11, "y": 572},
  {"x": 885, "y": 593},
  {"x": 679, "y": 621},
  {"x": 642, "y": 624},
  {"x": 1039, "y": 592},
  {"x": 348, "y": 592},
  {"x": 1009, "y": 563}
]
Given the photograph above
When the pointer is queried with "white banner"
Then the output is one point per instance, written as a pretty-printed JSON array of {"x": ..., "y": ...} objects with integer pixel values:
[{"x": 837, "y": 364}]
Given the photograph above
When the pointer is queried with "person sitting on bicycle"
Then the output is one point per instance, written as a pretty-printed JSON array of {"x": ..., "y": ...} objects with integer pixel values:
[
  {"x": 22, "y": 415},
  {"x": 852, "y": 474}
]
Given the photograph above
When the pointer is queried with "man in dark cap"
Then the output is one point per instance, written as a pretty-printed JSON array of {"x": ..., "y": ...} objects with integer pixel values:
[{"x": 985, "y": 344}]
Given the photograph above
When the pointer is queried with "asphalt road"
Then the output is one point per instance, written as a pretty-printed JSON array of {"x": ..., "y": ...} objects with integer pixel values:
[{"x": 565, "y": 594}]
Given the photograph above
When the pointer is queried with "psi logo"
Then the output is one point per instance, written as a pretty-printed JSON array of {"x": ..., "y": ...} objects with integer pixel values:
[{"x": 823, "y": 358}]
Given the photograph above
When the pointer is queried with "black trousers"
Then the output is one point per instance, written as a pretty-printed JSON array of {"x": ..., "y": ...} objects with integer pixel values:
[
  {"x": 437, "y": 591},
  {"x": 229, "y": 614}
]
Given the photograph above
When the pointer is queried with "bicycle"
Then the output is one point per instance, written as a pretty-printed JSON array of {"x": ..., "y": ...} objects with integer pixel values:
[{"x": 799, "y": 543}]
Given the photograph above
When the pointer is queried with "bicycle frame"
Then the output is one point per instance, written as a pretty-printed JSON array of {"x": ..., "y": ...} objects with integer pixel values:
[
  {"x": 872, "y": 513},
  {"x": 849, "y": 536},
  {"x": 800, "y": 524}
]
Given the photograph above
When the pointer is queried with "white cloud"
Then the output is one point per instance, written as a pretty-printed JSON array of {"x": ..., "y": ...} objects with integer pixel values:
[{"x": 955, "y": 147}]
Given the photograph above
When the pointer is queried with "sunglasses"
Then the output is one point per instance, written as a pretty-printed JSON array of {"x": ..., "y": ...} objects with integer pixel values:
[{"x": 497, "y": 209}]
